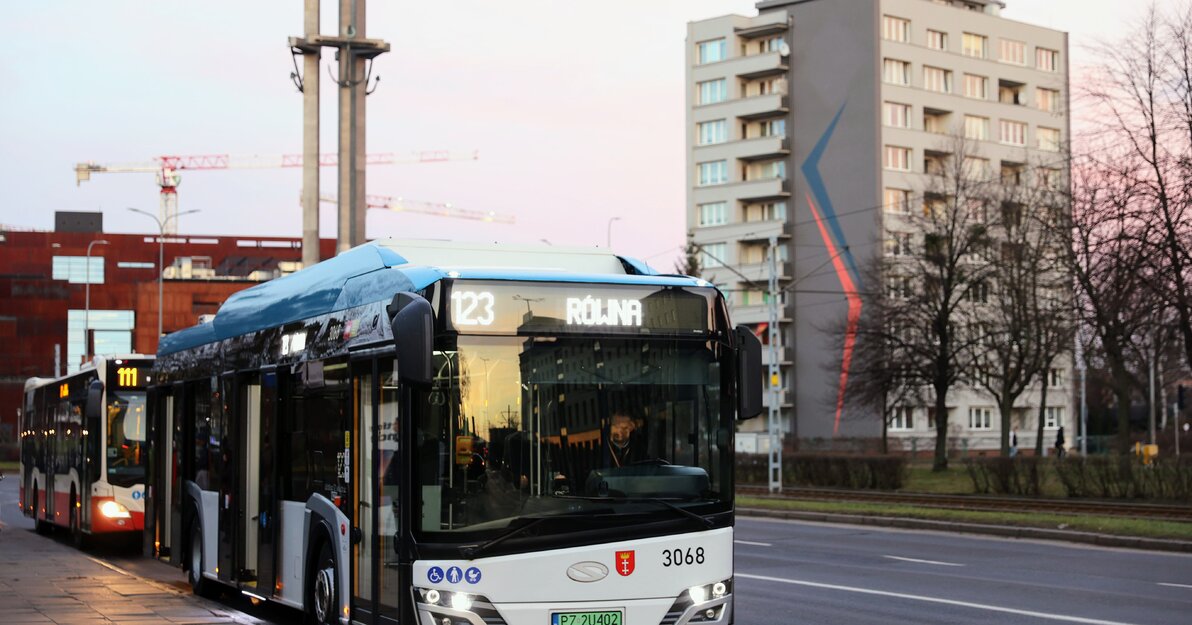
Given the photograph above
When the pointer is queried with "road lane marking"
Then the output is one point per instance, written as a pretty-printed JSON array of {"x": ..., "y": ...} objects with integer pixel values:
[
  {"x": 923, "y": 561},
  {"x": 963, "y": 604},
  {"x": 750, "y": 542},
  {"x": 1174, "y": 585}
]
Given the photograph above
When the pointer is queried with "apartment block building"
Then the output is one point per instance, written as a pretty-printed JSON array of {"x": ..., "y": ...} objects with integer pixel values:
[{"x": 813, "y": 126}]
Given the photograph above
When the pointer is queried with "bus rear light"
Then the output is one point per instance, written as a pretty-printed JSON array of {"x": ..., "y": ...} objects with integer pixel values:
[{"x": 113, "y": 510}]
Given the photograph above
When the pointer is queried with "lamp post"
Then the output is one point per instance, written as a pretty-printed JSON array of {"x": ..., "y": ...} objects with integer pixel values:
[
  {"x": 87, "y": 308},
  {"x": 161, "y": 248},
  {"x": 610, "y": 230}
]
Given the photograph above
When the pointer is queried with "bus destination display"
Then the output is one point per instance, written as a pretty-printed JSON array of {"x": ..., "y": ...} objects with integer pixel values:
[{"x": 477, "y": 307}]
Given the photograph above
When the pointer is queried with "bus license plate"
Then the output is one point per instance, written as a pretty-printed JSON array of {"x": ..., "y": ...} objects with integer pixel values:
[{"x": 585, "y": 618}]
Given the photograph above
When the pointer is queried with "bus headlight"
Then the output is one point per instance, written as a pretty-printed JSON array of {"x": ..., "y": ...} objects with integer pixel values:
[
  {"x": 461, "y": 601},
  {"x": 113, "y": 510},
  {"x": 699, "y": 594}
]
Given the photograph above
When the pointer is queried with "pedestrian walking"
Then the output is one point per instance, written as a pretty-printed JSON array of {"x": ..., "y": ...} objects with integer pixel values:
[
  {"x": 1013, "y": 442},
  {"x": 1059, "y": 443}
]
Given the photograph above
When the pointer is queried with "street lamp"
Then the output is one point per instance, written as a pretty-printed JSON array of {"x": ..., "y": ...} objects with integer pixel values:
[
  {"x": 610, "y": 230},
  {"x": 87, "y": 310},
  {"x": 161, "y": 245}
]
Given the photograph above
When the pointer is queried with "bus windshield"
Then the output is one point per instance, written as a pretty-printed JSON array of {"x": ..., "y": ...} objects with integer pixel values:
[
  {"x": 126, "y": 438},
  {"x": 517, "y": 427}
]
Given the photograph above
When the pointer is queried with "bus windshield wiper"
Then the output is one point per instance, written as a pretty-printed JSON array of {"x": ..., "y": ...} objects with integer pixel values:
[
  {"x": 656, "y": 500},
  {"x": 471, "y": 552}
]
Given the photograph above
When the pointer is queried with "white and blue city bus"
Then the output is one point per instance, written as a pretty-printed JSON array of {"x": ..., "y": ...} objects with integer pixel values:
[{"x": 439, "y": 433}]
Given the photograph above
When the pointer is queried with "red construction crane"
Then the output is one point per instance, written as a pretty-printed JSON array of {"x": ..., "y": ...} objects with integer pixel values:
[{"x": 167, "y": 169}]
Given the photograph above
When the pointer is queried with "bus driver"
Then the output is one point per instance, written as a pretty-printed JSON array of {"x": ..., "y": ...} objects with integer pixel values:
[{"x": 624, "y": 447}]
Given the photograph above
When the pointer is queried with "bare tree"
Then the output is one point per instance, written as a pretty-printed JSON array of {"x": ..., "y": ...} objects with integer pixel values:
[
  {"x": 929, "y": 273},
  {"x": 689, "y": 265},
  {"x": 1025, "y": 307}
]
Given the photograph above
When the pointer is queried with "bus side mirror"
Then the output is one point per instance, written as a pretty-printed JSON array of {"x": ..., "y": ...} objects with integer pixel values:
[
  {"x": 749, "y": 374},
  {"x": 412, "y": 321},
  {"x": 94, "y": 409}
]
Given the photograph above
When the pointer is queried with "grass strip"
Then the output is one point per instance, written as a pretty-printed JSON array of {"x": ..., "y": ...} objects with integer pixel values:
[
  {"x": 10, "y": 466},
  {"x": 1117, "y": 526}
]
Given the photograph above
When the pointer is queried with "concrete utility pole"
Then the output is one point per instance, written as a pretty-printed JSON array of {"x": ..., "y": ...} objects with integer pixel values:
[
  {"x": 310, "y": 139},
  {"x": 355, "y": 54},
  {"x": 775, "y": 413}
]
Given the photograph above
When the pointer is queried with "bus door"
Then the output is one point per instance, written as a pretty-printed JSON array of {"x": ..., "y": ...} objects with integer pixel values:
[
  {"x": 228, "y": 411},
  {"x": 177, "y": 465},
  {"x": 363, "y": 490},
  {"x": 264, "y": 523},
  {"x": 159, "y": 435},
  {"x": 246, "y": 510},
  {"x": 374, "y": 471}
]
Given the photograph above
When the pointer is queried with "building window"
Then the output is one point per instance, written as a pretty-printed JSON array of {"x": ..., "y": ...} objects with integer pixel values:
[
  {"x": 1047, "y": 60},
  {"x": 713, "y": 172},
  {"x": 977, "y": 168},
  {"x": 1049, "y": 178},
  {"x": 903, "y": 418},
  {"x": 1053, "y": 417},
  {"x": 980, "y": 418},
  {"x": 712, "y": 132},
  {"x": 73, "y": 269},
  {"x": 897, "y": 158},
  {"x": 1013, "y": 52},
  {"x": 896, "y": 115},
  {"x": 769, "y": 211},
  {"x": 937, "y": 79},
  {"x": 899, "y": 287},
  {"x": 712, "y": 51},
  {"x": 1049, "y": 139},
  {"x": 712, "y": 255},
  {"x": 713, "y": 214},
  {"x": 898, "y": 201},
  {"x": 1055, "y": 378},
  {"x": 772, "y": 44},
  {"x": 898, "y": 244},
  {"x": 976, "y": 87},
  {"x": 1011, "y": 132},
  {"x": 111, "y": 333},
  {"x": 978, "y": 292},
  {"x": 772, "y": 169},
  {"x": 937, "y": 40},
  {"x": 976, "y": 128},
  {"x": 896, "y": 29},
  {"x": 713, "y": 91},
  {"x": 134, "y": 265},
  {"x": 975, "y": 45},
  {"x": 772, "y": 127},
  {"x": 1047, "y": 99},
  {"x": 896, "y": 72}
]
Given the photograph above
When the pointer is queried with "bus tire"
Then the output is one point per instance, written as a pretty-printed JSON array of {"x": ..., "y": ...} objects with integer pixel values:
[
  {"x": 323, "y": 601},
  {"x": 200, "y": 585},
  {"x": 77, "y": 537},
  {"x": 41, "y": 526}
]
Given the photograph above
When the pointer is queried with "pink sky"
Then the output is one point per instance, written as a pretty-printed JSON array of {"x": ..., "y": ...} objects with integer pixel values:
[{"x": 576, "y": 109}]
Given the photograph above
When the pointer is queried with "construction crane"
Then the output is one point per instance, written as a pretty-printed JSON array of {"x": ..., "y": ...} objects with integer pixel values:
[
  {"x": 438, "y": 209},
  {"x": 168, "y": 168}
]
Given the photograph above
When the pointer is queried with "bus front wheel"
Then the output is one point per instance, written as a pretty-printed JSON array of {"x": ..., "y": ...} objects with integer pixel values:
[
  {"x": 201, "y": 586},
  {"x": 77, "y": 537},
  {"x": 323, "y": 601}
]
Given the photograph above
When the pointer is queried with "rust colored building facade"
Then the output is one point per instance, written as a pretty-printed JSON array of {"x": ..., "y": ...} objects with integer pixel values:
[{"x": 48, "y": 320}]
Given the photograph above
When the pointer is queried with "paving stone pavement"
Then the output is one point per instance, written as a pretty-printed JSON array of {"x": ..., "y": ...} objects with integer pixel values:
[{"x": 45, "y": 581}]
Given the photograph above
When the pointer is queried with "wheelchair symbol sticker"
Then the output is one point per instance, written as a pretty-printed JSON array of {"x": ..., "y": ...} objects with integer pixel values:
[
  {"x": 136, "y": 494},
  {"x": 435, "y": 575},
  {"x": 454, "y": 574}
]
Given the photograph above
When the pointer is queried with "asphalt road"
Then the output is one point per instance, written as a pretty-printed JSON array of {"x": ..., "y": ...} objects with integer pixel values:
[
  {"x": 797, "y": 572},
  {"x": 820, "y": 573}
]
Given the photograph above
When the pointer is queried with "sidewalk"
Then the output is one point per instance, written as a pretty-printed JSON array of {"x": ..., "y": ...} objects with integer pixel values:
[{"x": 43, "y": 580}]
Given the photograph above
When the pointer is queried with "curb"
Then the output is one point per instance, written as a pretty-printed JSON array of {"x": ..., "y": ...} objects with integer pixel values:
[{"x": 1005, "y": 531}]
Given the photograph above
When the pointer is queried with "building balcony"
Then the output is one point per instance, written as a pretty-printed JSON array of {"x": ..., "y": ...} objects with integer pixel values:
[
  {"x": 742, "y": 231},
  {"x": 756, "y": 149},
  {"x": 763, "y": 25},
  {"x": 758, "y": 65},
  {"x": 746, "y": 191},
  {"x": 753, "y": 107},
  {"x": 754, "y": 314}
]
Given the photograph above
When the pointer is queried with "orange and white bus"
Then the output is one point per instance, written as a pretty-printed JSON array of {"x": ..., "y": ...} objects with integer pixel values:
[{"x": 83, "y": 449}]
